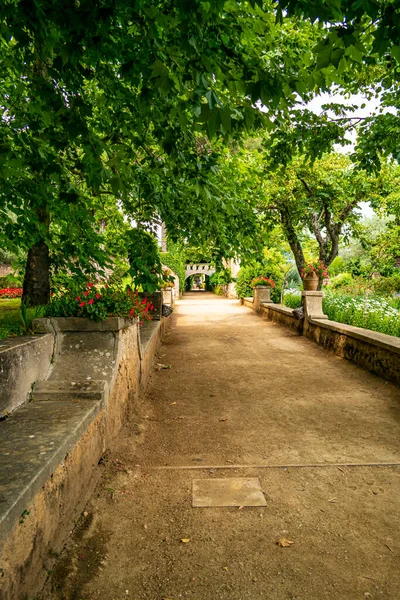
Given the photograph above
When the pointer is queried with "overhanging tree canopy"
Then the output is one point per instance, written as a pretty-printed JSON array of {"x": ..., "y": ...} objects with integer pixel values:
[{"x": 106, "y": 100}]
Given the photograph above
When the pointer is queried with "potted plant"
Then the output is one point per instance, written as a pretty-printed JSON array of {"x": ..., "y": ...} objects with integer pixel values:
[
  {"x": 312, "y": 274},
  {"x": 262, "y": 290}
]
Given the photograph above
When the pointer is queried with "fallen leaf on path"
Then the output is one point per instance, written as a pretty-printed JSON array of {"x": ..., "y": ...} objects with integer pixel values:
[
  {"x": 172, "y": 403},
  {"x": 162, "y": 366},
  {"x": 185, "y": 540},
  {"x": 241, "y": 508},
  {"x": 285, "y": 543},
  {"x": 332, "y": 500},
  {"x": 224, "y": 419},
  {"x": 213, "y": 395}
]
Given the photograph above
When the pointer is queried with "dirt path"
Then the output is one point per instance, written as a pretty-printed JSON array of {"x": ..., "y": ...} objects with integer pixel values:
[{"x": 243, "y": 391}]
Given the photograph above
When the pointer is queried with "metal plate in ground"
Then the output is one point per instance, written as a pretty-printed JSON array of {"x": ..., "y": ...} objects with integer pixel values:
[{"x": 235, "y": 491}]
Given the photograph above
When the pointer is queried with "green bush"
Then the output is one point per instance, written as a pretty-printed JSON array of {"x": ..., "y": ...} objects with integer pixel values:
[
  {"x": 386, "y": 286},
  {"x": 219, "y": 290},
  {"x": 144, "y": 260},
  {"x": 337, "y": 266},
  {"x": 15, "y": 321},
  {"x": 341, "y": 280},
  {"x": 292, "y": 299},
  {"x": 220, "y": 278},
  {"x": 10, "y": 281},
  {"x": 175, "y": 259},
  {"x": 247, "y": 274}
]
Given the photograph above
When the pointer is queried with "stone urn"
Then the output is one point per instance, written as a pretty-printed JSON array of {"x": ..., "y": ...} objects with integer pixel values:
[
  {"x": 262, "y": 295},
  {"x": 310, "y": 282}
]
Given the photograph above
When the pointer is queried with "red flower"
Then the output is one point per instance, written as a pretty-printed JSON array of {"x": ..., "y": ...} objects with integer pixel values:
[
  {"x": 91, "y": 301},
  {"x": 90, "y": 285},
  {"x": 77, "y": 298},
  {"x": 86, "y": 293},
  {"x": 82, "y": 304},
  {"x": 98, "y": 296}
]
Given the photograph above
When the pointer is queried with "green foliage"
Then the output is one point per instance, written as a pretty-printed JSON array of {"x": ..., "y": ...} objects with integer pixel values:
[
  {"x": 292, "y": 299},
  {"x": 11, "y": 323},
  {"x": 120, "y": 272},
  {"x": 10, "y": 281},
  {"x": 221, "y": 277},
  {"x": 218, "y": 289},
  {"x": 338, "y": 265},
  {"x": 175, "y": 259},
  {"x": 123, "y": 111},
  {"x": 387, "y": 286},
  {"x": 246, "y": 274},
  {"x": 144, "y": 261},
  {"x": 341, "y": 280}
]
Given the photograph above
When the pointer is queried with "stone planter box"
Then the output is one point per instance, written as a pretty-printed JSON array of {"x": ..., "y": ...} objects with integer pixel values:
[
  {"x": 156, "y": 299},
  {"x": 55, "y": 324}
]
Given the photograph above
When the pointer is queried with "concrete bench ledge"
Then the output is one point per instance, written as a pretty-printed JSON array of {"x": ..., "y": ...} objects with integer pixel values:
[
  {"x": 70, "y": 390},
  {"x": 147, "y": 331},
  {"x": 388, "y": 342},
  {"x": 33, "y": 442},
  {"x": 51, "y": 325},
  {"x": 285, "y": 310}
]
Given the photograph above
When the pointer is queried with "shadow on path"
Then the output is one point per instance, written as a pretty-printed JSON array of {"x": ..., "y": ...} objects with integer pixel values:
[{"x": 243, "y": 394}]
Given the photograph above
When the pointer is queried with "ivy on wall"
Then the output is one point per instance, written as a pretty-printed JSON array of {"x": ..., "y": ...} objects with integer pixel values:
[{"x": 175, "y": 259}]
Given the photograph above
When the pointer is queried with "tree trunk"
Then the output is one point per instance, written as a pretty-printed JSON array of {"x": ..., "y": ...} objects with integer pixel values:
[
  {"x": 292, "y": 238},
  {"x": 36, "y": 287}
]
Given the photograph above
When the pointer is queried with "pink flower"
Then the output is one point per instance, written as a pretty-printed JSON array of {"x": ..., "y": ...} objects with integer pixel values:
[
  {"x": 98, "y": 296},
  {"x": 91, "y": 301},
  {"x": 82, "y": 304}
]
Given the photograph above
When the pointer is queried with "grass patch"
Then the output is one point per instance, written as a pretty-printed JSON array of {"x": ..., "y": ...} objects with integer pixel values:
[
  {"x": 10, "y": 320},
  {"x": 11, "y": 323}
]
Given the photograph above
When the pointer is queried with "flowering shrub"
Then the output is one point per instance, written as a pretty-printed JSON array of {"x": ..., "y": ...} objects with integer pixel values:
[
  {"x": 99, "y": 302},
  {"x": 11, "y": 293},
  {"x": 373, "y": 313},
  {"x": 317, "y": 267},
  {"x": 265, "y": 281}
]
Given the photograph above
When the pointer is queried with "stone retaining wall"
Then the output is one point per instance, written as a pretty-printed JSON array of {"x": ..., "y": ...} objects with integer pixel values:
[
  {"x": 51, "y": 447},
  {"x": 377, "y": 352},
  {"x": 23, "y": 360}
]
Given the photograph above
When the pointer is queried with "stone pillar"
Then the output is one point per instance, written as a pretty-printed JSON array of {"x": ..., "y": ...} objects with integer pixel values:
[
  {"x": 262, "y": 295},
  {"x": 167, "y": 296},
  {"x": 312, "y": 305}
]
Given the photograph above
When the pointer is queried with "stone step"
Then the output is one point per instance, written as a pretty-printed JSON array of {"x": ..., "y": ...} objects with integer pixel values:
[{"x": 69, "y": 390}]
